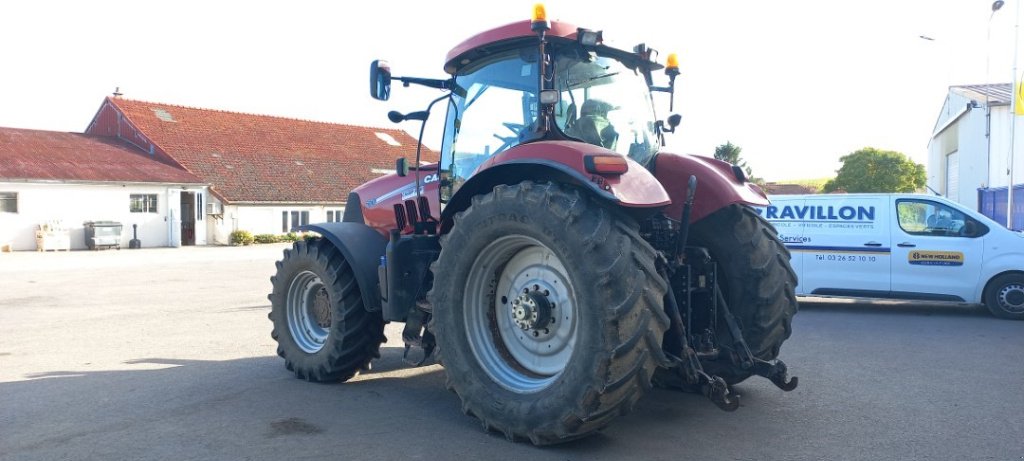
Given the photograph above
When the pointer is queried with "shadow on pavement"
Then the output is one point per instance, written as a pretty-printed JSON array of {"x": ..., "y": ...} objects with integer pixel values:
[{"x": 252, "y": 408}]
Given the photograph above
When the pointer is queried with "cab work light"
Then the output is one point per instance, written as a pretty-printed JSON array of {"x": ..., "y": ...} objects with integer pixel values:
[
  {"x": 606, "y": 164},
  {"x": 588, "y": 37}
]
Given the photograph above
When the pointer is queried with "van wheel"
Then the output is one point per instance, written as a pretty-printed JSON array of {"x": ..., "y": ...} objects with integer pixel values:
[{"x": 1005, "y": 296}]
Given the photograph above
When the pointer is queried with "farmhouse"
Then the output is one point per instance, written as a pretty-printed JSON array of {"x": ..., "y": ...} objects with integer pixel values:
[{"x": 196, "y": 174}]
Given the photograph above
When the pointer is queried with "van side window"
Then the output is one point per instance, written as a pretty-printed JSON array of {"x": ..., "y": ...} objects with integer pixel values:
[{"x": 925, "y": 217}]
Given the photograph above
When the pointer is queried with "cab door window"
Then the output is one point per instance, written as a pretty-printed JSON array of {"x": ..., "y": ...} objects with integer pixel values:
[{"x": 925, "y": 217}]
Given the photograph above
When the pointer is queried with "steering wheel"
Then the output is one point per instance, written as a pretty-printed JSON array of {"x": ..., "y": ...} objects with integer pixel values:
[
  {"x": 509, "y": 141},
  {"x": 570, "y": 118}
]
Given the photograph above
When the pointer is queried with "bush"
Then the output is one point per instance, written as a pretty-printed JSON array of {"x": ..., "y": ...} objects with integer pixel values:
[
  {"x": 268, "y": 238},
  {"x": 310, "y": 236},
  {"x": 291, "y": 237},
  {"x": 241, "y": 237}
]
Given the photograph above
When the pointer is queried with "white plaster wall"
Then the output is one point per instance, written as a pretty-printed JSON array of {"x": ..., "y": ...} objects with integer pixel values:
[
  {"x": 76, "y": 203},
  {"x": 973, "y": 151},
  {"x": 260, "y": 219},
  {"x": 999, "y": 158}
]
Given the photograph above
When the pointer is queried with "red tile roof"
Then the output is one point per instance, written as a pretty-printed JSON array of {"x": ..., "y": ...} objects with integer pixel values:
[
  {"x": 259, "y": 158},
  {"x": 788, "y": 189},
  {"x": 59, "y": 156}
]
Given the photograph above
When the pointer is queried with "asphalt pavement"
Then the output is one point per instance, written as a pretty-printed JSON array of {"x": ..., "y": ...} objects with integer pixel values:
[{"x": 165, "y": 354}]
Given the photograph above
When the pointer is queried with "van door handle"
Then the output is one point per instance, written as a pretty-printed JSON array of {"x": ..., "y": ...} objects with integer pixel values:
[
  {"x": 906, "y": 245},
  {"x": 873, "y": 244}
]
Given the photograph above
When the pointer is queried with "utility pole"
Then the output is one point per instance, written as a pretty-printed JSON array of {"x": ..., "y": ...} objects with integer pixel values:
[
  {"x": 1014, "y": 94},
  {"x": 1013, "y": 119}
]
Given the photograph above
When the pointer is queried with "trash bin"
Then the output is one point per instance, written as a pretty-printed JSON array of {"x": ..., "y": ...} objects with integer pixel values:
[{"x": 102, "y": 234}]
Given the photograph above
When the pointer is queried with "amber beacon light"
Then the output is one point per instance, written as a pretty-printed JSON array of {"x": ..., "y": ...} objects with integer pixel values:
[{"x": 539, "y": 21}]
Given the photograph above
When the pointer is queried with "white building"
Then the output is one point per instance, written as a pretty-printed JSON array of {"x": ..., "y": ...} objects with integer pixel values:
[
  {"x": 969, "y": 151},
  {"x": 63, "y": 180},
  {"x": 267, "y": 174}
]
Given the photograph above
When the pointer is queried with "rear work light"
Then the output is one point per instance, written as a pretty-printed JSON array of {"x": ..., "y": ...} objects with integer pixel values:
[{"x": 606, "y": 164}]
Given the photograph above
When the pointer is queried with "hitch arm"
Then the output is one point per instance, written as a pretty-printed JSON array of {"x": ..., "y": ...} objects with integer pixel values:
[
  {"x": 775, "y": 370},
  {"x": 713, "y": 387}
]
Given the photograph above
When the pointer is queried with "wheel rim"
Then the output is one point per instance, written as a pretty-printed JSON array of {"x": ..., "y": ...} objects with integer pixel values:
[
  {"x": 520, "y": 313},
  {"x": 1011, "y": 298},
  {"x": 309, "y": 312}
]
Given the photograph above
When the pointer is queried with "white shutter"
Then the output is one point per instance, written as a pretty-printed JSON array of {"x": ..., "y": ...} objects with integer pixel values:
[{"x": 953, "y": 176}]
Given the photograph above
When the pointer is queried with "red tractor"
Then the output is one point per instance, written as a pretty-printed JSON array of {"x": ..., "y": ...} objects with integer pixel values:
[{"x": 556, "y": 260}]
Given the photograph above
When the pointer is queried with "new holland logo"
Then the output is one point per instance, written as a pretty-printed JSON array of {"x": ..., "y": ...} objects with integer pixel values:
[{"x": 936, "y": 258}]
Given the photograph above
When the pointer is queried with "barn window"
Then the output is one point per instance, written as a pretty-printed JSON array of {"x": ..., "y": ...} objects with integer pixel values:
[
  {"x": 298, "y": 218},
  {"x": 9, "y": 202},
  {"x": 142, "y": 203}
]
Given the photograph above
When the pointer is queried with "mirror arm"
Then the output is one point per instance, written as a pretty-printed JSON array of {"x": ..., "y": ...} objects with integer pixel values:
[
  {"x": 670, "y": 89},
  {"x": 427, "y": 82}
]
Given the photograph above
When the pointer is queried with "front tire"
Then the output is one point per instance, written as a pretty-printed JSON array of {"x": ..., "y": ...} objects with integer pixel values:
[
  {"x": 548, "y": 312},
  {"x": 322, "y": 329},
  {"x": 1004, "y": 297}
]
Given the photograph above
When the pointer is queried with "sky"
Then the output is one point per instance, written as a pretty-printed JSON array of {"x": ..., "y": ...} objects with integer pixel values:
[{"x": 796, "y": 84}]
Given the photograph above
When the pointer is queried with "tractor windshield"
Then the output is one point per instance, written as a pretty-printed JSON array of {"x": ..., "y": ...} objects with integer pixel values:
[
  {"x": 602, "y": 101},
  {"x": 607, "y": 104},
  {"x": 492, "y": 104}
]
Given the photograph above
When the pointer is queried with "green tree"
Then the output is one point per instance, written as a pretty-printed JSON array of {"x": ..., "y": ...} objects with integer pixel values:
[
  {"x": 873, "y": 170},
  {"x": 730, "y": 152}
]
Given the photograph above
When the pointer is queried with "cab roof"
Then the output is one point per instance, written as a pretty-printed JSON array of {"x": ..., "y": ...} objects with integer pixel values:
[{"x": 473, "y": 47}]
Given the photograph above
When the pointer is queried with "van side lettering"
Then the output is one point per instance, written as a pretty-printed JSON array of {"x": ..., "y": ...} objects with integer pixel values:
[{"x": 865, "y": 214}]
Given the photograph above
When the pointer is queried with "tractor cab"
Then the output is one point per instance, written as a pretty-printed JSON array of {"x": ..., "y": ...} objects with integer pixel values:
[
  {"x": 596, "y": 94},
  {"x": 536, "y": 81}
]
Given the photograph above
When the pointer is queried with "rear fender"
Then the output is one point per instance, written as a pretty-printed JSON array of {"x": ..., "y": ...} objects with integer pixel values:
[
  {"x": 362, "y": 247},
  {"x": 717, "y": 185},
  {"x": 561, "y": 162}
]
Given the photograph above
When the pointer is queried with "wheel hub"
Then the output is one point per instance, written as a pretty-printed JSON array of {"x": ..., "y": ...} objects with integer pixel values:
[
  {"x": 322, "y": 308},
  {"x": 531, "y": 311},
  {"x": 521, "y": 316},
  {"x": 1012, "y": 297},
  {"x": 308, "y": 310}
]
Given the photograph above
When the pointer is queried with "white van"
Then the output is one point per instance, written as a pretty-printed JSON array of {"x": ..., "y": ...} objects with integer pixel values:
[{"x": 908, "y": 246}]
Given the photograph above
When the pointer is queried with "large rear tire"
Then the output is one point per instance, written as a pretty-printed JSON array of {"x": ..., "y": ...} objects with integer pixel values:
[
  {"x": 757, "y": 283},
  {"x": 322, "y": 330},
  {"x": 548, "y": 312}
]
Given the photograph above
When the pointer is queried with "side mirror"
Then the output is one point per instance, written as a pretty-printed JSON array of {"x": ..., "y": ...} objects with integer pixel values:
[
  {"x": 401, "y": 167},
  {"x": 674, "y": 120},
  {"x": 380, "y": 80}
]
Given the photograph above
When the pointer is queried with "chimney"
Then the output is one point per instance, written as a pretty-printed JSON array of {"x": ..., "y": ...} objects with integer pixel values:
[{"x": 117, "y": 92}]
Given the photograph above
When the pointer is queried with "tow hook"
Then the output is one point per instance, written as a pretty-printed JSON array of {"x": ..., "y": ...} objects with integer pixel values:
[
  {"x": 415, "y": 334},
  {"x": 776, "y": 372}
]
